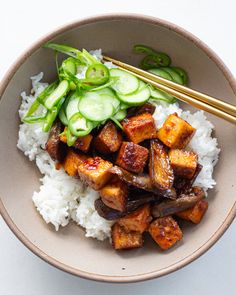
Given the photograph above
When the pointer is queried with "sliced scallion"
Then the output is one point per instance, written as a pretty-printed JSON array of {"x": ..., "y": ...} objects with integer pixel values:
[{"x": 57, "y": 94}]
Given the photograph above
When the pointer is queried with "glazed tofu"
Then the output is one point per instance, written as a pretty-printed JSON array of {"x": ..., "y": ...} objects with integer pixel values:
[
  {"x": 95, "y": 172},
  {"x": 138, "y": 220},
  {"x": 132, "y": 157},
  {"x": 196, "y": 213},
  {"x": 108, "y": 140},
  {"x": 165, "y": 232},
  {"x": 72, "y": 162},
  {"x": 82, "y": 143},
  {"x": 114, "y": 194},
  {"x": 140, "y": 128},
  {"x": 184, "y": 163},
  {"x": 125, "y": 240},
  {"x": 175, "y": 132}
]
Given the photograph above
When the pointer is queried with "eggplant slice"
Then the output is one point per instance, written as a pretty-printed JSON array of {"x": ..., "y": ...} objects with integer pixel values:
[
  {"x": 146, "y": 108},
  {"x": 54, "y": 146},
  {"x": 160, "y": 170},
  {"x": 142, "y": 181},
  {"x": 182, "y": 203},
  {"x": 107, "y": 212},
  {"x": 133, "y": 204}
]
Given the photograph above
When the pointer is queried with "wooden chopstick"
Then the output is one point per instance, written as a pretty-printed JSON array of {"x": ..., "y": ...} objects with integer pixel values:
[{"x": 195, "y": 98}]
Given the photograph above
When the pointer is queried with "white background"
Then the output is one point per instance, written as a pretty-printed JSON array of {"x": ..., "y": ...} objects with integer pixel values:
[{"x": 23, "y": 22}]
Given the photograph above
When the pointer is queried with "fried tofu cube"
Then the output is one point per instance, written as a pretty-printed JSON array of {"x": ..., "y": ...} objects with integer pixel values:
[
  {"x": 108, "y": 140},
  {"x": 125, "y": 240},
  {"x": 114, "y": 194},
  {"x": 82, "y": 143},
  {"x": 196, "y": 213},
  {"x": 140, "y": 128},
  {"x": 132, "y": 157},
  {"x": 165, "y": 232},
  {"x": 138, "y": 220},
  {"x": 175, "y": 132},
  {"x": 95, "y": 172},
  {"x": 184, "y": 163},
  {"x": 72, "y": 162}
]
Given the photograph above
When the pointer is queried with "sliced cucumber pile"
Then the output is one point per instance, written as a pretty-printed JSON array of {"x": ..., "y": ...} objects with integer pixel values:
[{"x": 103, "y": 94}]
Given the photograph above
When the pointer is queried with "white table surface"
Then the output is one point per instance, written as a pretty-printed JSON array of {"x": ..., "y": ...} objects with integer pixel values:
[{"x": 23, "y": 22}]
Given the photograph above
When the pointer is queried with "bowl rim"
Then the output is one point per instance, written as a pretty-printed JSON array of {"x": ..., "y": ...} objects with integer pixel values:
[{"x": 89, "y": 20}]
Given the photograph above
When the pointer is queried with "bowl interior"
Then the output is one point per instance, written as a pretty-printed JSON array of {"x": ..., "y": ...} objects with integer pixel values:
[{"x": 68, "y": 248}]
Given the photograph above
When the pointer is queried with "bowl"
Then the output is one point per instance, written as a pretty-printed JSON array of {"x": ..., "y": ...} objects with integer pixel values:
[{"x": 68, "y": 249}]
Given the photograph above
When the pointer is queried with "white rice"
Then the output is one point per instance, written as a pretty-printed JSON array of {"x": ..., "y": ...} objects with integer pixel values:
[{"x": 62, "y": 198}]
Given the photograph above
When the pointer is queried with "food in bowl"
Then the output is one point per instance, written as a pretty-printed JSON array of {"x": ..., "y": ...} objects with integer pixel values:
[{"x": 118, "y": 156}]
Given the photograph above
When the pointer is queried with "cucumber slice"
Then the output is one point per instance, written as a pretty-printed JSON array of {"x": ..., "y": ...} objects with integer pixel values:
[
  {"x": 158, "y": 94},
  {"x": 72, "y": 107},
  {"x": 107, "y": 91},
  {"x": 138, "y": 97},
  {"x": 126, "y": 83},
  {"x": 62, "y": 117},
  {"x": 57, "y": 94},
  {"x": 94, "y": 108},
  {"x": 161, "y": 73},
  {"x": 109, "y": 96},
  {"x": 175, "y": 76},
  {"x": 182, "y": 74},
  {"x": 111, "y": 100}
]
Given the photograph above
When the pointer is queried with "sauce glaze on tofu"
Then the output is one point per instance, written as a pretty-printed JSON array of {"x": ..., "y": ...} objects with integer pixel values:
[
  {"x": 114, "y": 194},
  {"x": 165, "y": 232},
  {"x": 95, "y": 172},
  {"x": 175, "y": 132},
  {"x": 132, "y": 157},
  {"x": 122, "y": 239},
  {"x": 184, "y": 163},
  {"x": 109, "y": 139},
  {"x": 140, "y": 128}
]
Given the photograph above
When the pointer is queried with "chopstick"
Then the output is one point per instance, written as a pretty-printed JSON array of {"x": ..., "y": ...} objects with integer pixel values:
[{"x": 195, "y": 98}]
